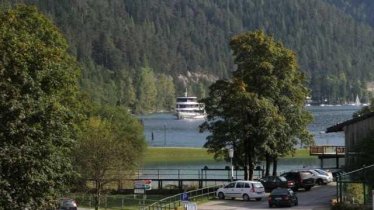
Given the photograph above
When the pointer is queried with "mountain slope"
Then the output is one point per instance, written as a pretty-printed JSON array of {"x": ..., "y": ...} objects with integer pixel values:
[{"x": 189, "y": 41}]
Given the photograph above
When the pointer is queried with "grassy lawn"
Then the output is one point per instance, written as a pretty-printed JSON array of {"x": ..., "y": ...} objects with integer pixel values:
[
  {"x": 171, "y": 155},
  {"x": 155, "y": 155}
]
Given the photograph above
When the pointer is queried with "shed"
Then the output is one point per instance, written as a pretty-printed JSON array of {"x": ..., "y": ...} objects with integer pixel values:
[{"x": 355, "y": 130}]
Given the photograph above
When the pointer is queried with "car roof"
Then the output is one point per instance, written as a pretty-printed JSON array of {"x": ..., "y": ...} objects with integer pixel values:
[{"x": 247, "y": 181}]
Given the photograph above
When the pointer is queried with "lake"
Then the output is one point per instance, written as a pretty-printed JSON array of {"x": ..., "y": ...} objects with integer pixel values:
[
  {"x": 164, "y": 130},
  {"x": 170, "y": 132}
]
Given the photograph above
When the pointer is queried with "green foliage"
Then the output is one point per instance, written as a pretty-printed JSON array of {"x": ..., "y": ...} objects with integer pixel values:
[
  {"x": 111, "y": 145},
  {"x": 174, "y": 38},
  {"x": 344, "y": 206},
  {"x": 165, "y": 93},
  {"x": 146, "y": 91},
  {"x": 261, "y": 110},
  {"x": 38, "y": 83}
]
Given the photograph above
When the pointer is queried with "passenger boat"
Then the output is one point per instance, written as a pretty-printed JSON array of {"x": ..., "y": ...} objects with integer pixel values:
[{"x": 188, "y": 107}]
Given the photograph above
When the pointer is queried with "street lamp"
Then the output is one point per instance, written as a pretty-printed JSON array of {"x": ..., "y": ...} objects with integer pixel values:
[{"x": 231, "y": 155}]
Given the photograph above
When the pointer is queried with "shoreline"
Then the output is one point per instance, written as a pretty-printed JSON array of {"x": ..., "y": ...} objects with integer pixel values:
[{"x": 193, "y": 155}]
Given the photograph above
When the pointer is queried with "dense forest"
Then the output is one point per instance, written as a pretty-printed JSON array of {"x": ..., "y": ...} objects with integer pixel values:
[{"x": 142, "y": 54}]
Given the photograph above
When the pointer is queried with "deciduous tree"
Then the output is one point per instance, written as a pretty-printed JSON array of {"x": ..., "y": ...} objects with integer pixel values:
[
  {"x": 261, "y": 110},
  {"x": 38, "y": 88},
  {"x": 111, "y": 146}
]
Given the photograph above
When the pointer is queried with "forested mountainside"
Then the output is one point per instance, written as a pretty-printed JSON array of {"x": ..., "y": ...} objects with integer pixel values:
[
  {"x": 130, "y": 50},
  {"x": 361, "y": 10}
]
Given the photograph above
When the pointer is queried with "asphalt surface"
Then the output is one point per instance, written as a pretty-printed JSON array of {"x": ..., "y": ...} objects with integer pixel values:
[{"x": 318, "y": 198}]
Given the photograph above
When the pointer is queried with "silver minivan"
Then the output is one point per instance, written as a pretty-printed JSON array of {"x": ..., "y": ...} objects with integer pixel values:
[{"x": 242, "y": 189}]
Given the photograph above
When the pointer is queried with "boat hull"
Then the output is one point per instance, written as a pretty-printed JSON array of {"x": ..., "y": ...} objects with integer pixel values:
[{"x": 182, "y": 115}]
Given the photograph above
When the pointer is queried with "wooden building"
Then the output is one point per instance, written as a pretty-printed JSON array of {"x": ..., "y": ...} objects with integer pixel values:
[{"x": 355, "y": 130}]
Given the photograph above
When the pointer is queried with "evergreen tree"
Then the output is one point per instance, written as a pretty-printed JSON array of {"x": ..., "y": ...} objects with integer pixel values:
[{"x": 147, "y": 91}]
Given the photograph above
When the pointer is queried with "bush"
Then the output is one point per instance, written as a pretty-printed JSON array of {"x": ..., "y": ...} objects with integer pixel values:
[{"x": 345, "y": 206}]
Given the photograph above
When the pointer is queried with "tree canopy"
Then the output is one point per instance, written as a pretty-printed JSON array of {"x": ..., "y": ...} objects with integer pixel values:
[
  {"x": 38, "y": 89},
  {"x": 111, "y": 146},
  {"x": 260, "y": 111}
]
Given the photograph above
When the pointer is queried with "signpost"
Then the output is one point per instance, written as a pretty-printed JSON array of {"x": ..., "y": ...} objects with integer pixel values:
[
  {"x": 184, "y": 196},
  {"x": 141, "y": 186}
]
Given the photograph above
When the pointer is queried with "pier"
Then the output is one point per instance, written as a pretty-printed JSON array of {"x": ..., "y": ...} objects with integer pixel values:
[{"x": 327, "y": 152}]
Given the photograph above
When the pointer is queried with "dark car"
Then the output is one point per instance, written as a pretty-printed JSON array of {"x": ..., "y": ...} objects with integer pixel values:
[
  {"x": 282, "y": 197},
  {"x": 272, "y": 182},
  {"x": 302, "y": 179},
  {"x": 67, "y": 204}
]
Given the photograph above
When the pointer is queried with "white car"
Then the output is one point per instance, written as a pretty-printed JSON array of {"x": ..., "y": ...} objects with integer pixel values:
[
  {"x": 326, "y": 172},
  {"x": 242, "y": 189},
  {"x": 321, "y": 177}
]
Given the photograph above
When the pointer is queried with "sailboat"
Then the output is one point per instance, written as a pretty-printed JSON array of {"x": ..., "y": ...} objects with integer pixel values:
[{"x": 357, "y": 102}]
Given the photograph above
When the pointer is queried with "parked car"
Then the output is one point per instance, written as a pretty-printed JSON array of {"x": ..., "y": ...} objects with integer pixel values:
[
  {"x": 321, "y": 177},
  {"x": 326, "y": 172},
  {"x": 67, "y": 204},
  {"x": 242, "y": 189},
  {"x": 282, "y": 197},
  {"x": 302, "y": 179},
  {"x": 272, "y": 182}
]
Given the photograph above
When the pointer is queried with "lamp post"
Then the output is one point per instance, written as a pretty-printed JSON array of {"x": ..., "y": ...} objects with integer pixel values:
[{"x": 231, "y": 155}]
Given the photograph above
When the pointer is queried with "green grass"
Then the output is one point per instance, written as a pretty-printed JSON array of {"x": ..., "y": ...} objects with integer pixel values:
[
  {"x": 155, "y": 155},
  {"x": 300, "y": 153},
  {"x": 175, "y": 155}
]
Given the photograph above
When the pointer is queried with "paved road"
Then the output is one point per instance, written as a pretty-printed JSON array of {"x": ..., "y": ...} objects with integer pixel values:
[{"x": 318, "y": 198}]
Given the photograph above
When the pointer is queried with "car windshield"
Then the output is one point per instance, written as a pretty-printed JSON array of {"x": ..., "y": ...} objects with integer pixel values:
[
  {"x": 279, "y": 191},
  {"x": 321, "y": 172}
]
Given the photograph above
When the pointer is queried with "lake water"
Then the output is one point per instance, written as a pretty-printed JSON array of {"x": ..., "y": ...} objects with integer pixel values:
[
  {"x": 170, "y": 132},
  {"x": 164, "y": 130}
]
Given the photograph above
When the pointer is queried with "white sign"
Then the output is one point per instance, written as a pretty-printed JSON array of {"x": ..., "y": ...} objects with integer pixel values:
[
  {"x": 139, "y": 191},
  {"x": 143, "y": 184}
]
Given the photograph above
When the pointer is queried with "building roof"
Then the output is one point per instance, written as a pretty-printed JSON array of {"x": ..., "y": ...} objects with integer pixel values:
[{"x": 339, "y": 127}]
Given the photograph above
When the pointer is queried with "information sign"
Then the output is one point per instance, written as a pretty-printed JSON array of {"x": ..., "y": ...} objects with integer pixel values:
[
  {"x": 184, "y": 196},
  {"x": 143, "y": 184}
]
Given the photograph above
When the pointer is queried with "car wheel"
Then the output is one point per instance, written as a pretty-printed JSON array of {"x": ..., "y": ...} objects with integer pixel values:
[
  {"x": 245, "y": 197},
  {"x": 307, "y": 188},
  {"x": 258, "y": 199},
  {"x": 319, "y": 182},
  {"x": 221, "y": 195}
]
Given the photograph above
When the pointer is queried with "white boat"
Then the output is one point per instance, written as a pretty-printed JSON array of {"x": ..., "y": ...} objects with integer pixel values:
[
  {"x": 357, "y": 102},
  {"x": 187, "y": 107}
]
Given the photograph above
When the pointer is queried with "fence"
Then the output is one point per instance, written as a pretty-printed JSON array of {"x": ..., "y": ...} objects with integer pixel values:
[
  {"x": 176, "y": 201},
  {"x": 356, "y": 186}
]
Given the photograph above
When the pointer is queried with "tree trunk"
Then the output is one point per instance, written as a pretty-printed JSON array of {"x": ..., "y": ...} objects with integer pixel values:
[
  {"x": 251, "y": 167},
  {"x": 246, "y": 172},
  {"x": 267, "y": 164},
  {"x": 97, "y": 195},
  {"x": 275, "y": 164}
]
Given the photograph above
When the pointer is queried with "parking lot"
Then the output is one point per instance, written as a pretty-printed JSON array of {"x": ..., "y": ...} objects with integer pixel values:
[{"x": 318, "y": 198}]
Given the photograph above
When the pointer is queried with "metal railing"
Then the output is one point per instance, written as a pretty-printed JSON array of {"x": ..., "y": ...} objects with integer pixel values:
[
  {"x": 327, "y": 150},
  {"x": 177, "y": 200}
]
